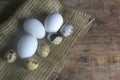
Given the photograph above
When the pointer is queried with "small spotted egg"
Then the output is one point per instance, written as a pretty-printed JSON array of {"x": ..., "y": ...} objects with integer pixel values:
[
  {"x": 10, "y": 56},
  {"x": 66, "y": 30},
  {"x": 55, "y": 38},
  {"x": 44, "y": 50},
  {"x": 31, "y": 64}
]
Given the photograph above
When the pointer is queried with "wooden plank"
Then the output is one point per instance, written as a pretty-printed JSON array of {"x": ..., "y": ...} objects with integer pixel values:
[{"x": 97, "y": 56}]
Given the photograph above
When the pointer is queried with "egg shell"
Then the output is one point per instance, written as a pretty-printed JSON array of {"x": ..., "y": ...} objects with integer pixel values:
[
  {"x": 53, "y": 22},
  {"x": 31, "y": 64},
  {"x": 10, "y": 56},
  {"x": 27, "y": 46},
  {"x": 34, "y": 27},
  {"x": 66, "y": 30},
  {"x": 55, "y": 38},
  {"x": 44, "y": 50}
]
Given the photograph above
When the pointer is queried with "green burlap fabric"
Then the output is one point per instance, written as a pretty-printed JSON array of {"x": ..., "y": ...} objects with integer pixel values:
[{"x": 47, "y": 66}]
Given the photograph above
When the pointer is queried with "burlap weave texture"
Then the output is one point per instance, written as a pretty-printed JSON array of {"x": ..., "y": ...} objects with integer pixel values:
[{"x": 40, "y": 9}]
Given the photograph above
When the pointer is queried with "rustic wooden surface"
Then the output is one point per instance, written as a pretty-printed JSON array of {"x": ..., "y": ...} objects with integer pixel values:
[{"x": 97, "y": 56}]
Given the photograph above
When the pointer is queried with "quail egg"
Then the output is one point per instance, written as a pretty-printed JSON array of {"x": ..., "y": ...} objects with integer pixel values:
[
  {"x": 31, "y": 64},
  {"x": 44, "y": 50},
  {"x": 66, "y": 30},
  {"x": 10, "y": 56},
  {"x": 55, "y": 38}
]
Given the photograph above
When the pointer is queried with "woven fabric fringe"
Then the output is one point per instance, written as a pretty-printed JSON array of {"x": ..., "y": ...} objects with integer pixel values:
[{"x": 13, "y": 28}]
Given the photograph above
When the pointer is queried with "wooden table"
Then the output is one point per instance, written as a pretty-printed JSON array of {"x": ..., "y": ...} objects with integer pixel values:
[{"x": 97, "y": 56}]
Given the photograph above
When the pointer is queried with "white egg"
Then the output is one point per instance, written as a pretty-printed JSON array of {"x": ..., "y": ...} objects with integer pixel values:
[
  {"x": 27, "y": 46},
  {"x": 34, "y": 27},
  {"x": 67, "y": 30},
  {"x": 53, "y": 22}
]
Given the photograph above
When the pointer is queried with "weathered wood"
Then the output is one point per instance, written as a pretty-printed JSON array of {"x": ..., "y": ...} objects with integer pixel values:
[{"x": 97, "y": 56}]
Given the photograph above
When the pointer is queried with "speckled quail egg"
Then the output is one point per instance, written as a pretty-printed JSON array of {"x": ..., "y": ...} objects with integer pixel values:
[
  {"x": 10, "y": 56},
  {"x": 55, "y": 38},
  {"x": 53, "y": 22},
  {"x": 31, "y": 64},
  {"x": 44, "y": 50},
  {"x": 66, "y": 30}
]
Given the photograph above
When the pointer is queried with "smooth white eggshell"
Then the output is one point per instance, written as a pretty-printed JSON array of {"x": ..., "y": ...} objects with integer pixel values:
[
  {"x": 66, "y": 30},
  {"x": 34, "y": 27},
  {"x": 27, "y": 46},
  {"x": 53, "y": 22}
]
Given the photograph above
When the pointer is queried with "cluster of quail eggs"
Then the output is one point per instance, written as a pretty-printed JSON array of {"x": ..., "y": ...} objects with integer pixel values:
[{"x": 27, "y": 45}]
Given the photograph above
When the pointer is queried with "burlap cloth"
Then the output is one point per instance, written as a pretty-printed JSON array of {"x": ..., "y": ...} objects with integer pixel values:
[{"x": 47, "y": 66}]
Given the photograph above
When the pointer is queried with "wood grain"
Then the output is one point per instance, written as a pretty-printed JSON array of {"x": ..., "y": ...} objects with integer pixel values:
[{"x": 97, "y": 56}]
